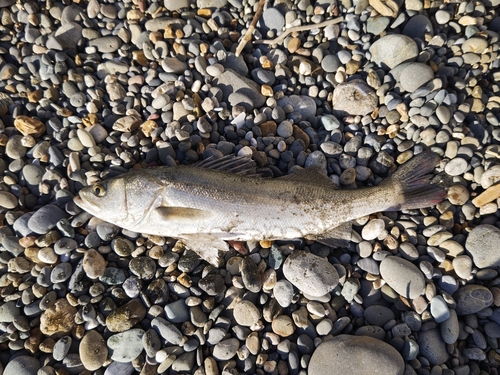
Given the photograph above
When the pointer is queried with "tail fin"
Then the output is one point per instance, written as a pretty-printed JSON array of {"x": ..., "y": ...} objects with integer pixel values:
[{"x": 413, "y": 178}]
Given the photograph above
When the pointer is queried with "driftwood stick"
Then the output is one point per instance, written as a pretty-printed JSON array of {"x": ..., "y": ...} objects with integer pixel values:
[
  {"x": 280, "y": 38},
  {"x": 248, "y": 36}
]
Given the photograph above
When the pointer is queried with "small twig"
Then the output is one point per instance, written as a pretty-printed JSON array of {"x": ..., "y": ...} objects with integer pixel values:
[
  {"x": 299, "y": 28},
  {"x": 248, "y": 36}
]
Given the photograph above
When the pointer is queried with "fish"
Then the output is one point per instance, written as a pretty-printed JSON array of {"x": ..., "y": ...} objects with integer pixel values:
[{"x": 216, "y": 201}]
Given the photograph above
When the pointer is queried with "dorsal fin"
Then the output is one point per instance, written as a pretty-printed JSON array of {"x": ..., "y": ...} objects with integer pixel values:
[
  {"x": 310, "y": 176},
  {"x": 229, "y": 163}
]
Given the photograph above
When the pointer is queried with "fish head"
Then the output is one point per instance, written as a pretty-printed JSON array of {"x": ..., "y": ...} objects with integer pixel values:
[
  {"x": 105, "y": 200},
  {"x": 124, "y": 200}
]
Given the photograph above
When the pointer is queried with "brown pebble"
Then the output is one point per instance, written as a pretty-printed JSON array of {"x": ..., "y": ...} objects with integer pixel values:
[
  {"x": 283, "y": 325},
  {"x": 458, "y": 195},
  {"x": 489, "y": 195},
  {"x": 94, "y": 264},
  {"x": 59, "y": 319},
  {"x": 29, "y": 126},
  {"x": 294, "y": 45},
  {"x": 298, "y": 133},
  {"x": 47, "y": 345},
  {"x": 93, "y": 351},
  {"x": 126, "y": 316},
  {"x": 268, "y": 127}
]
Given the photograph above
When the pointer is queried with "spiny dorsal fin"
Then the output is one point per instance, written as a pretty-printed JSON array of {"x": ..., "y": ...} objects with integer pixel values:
[{"x": 230, "y": 163}]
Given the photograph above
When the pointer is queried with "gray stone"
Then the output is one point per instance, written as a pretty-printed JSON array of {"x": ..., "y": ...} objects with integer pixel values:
[
  {"x": 415, "y": 75},
  {"x": 8, "y": 312},
  {"x": 45, "y": 218},
  {"x": 432, "y": 346},
  {"x": 302, "y": 104},
  {"x": 450, "y": 328},
  {"x": 167, "y": 330},
  {"x": 106, "y": 44},
  {"x": 417, "y": 26},
  {"x": 354, "y": 355},
  {"x": 231, "y": 83}
]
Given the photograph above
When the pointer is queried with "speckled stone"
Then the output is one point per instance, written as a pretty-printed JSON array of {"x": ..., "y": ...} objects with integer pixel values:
[
  {"x": 93, "y": 350},
  {"x": 310, "y": 273},
  {"x": 482, "y": 245}
]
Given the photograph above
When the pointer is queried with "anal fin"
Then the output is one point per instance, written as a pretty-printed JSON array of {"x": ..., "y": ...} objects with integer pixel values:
[
  {"x": 208, "y": 247},
  {"x": 340, "y": 236}
]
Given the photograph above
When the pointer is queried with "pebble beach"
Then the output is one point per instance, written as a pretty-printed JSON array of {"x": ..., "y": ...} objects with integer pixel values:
[{"x": 90, "y": 89}]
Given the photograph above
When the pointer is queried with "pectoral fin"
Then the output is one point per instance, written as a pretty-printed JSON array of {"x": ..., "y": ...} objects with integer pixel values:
[
  {"x": 340, "y": 236},
  {"x": 208, "y": 247},
  {"x": 179, "y": 214}
]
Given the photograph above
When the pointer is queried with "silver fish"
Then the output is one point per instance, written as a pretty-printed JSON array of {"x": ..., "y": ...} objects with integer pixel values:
[{"x": 217, "y": 201}]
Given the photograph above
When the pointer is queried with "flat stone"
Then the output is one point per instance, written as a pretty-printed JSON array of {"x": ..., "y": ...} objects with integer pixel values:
[
  {"x": 472, "y": 298},
  {"x": 391, "y": 50},
  {"x": 126, "y": 316},
  {"x": 402, "y": 276},
  {"x": 8, "y": 312},
  {"x": 93, "y": 350},
  {"x": 372, "y": 229},
  {"x": 354, "y": 355},
  {"x": 475, "y": 45},
  {"x": 226, "y": 349},
  {"x": 167, "y": 330},
  {"x": 29, "y": 126},
  {"x": 22, "y": 365},
  {"x": 354, "y": 98},
  {"x": 482, "y": 245},
  {"x": 59, "y": 319},
  {"x": 45, "y": 218},
  {"x": 310, "y": 273}
]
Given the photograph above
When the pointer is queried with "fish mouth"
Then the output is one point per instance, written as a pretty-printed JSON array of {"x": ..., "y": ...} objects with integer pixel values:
[{"x": 85, "y": 204}]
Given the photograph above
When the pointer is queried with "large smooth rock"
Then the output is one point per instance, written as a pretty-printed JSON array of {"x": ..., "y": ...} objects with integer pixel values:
[
  {"x": 482, "y": 246},
  {"x": 402, "y": 276},
  {"x": 354, "y": 355},
  {"x": 392, "y": 50},
  {"x": 354, "y": 98}
]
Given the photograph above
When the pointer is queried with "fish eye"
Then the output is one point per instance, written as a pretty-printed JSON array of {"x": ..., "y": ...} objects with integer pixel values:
[{"x": 99, "y": 190}]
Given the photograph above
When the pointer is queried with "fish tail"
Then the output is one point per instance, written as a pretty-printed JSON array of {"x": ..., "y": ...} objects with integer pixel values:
[{"x": 412, "y": 183}]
